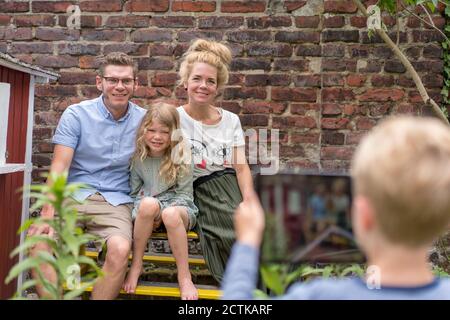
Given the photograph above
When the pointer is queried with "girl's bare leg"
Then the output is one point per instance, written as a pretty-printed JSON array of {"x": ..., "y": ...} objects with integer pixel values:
[
  {"x": 143, "y": 227},
  {"x": 176, "y": 221}
]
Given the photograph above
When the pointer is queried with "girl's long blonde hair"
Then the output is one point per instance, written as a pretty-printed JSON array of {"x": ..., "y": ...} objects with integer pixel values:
[{"x": 176, "y": 160}]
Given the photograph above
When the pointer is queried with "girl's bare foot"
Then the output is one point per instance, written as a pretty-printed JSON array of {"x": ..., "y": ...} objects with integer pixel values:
[
  {"x": 187, "y": 289},
  {"x": 131, "y": 281}
]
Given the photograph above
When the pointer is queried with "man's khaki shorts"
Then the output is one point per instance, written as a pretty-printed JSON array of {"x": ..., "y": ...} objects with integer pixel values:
[{"x": 106, "y": 220}]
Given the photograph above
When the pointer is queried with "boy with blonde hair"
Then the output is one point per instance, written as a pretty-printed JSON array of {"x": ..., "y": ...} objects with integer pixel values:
[{"x": 401, "y": 179}]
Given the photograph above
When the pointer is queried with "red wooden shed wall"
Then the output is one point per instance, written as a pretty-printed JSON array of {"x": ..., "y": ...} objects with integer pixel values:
[{"x": 10, "y": 199}]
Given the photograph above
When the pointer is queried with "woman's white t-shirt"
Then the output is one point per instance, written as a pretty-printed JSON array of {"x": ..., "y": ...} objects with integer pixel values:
[{"x": 212, "y": 145}]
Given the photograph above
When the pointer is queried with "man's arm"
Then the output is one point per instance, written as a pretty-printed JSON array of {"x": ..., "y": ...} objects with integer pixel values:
[{"x": 62, "y": 158}]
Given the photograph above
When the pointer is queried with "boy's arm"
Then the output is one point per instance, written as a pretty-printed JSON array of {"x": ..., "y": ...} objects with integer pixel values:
[{"x": 241, "y": 274}]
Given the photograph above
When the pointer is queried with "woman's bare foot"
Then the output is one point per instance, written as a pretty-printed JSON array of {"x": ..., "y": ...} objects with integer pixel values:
[
  {"x": 187, "y": 289},
  {"x": 131, "y": 281}
]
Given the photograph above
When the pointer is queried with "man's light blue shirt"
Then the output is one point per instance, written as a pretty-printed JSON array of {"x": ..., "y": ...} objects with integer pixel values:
[{"x": 102, "y": 148}]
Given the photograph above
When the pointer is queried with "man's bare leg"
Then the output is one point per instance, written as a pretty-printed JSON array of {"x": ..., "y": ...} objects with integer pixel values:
[
  {"x": 115, "y": 267},
  {"x": 47, "y": 270}
]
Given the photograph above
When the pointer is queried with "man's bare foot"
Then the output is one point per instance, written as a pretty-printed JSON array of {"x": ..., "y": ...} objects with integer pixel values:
[
  {"x": 187, "y": 289},
  {"x": 129, "y": 286}
]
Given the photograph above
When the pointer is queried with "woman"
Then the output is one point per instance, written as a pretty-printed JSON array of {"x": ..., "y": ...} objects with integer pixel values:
[{"x": 222, "y": 177}]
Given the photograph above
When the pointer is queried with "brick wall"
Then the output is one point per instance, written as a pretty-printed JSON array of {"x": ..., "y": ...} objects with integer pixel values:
[{"x": 307, "y": 68}]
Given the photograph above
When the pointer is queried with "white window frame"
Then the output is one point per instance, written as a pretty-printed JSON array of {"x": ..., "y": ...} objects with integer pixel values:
[{"x": 5, "y": 93}]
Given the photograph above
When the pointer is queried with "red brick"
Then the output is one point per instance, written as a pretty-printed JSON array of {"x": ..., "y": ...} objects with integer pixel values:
[
  {"x": 254, "y": 120},
  {"x": 336, "y": 153},
  {"x": 230, "y": 106},
  {"x": 307, "y": 21},
  {"x": 85, "y": 21},
  {"x": 294, "y": 94},
  {"x": 193, "y": 6},
  {"x": 88, "y": 62},
  {"x": 355, "y": 137},
  {"x": 220, "y": 22},
  {"x": 305, "y": 137},
  {"x": 103, "y": 35},
  {"x": 77, "y": 78},
  {"x": 4, "y": 20},
  {"x": 164, "y": 79},
  {"x": 14, "y": 6},
  {"x": 147, "y": 6},
  {"x": 34, "y": 20},
  {"x": 127, "y": 21},
  {"x": 358, "y": 22},
  {"x": 51, "y": 6},
  {"x": 333, "y": 80},
  {"x": 62, "y": 104},
  {"x": 304, "y": 108},
  {"x": 382, "y": 95},
  {"x": 293, "y": 5},
  {"x": 56, "y": 61},
  {"x": 133, "y": 49},
  {"x": 263, "y": 107},
  {"x": 267, "y": 22},
  {"x": 244, "y": 93},
  {"x": 18, "y": 34},
  {"x": 334, "y": 22},
  {"x": 101, "y": 5},
  {"x": 337, "y": 94},
  {"x": 150, "y": 36},
  {"x": 334, "y": 123},
  {"x": 173, "y": 22},
  {"x": 242, "y": 6},
  {"x": 312, "y": 80},
  {"x": 342, "y": 6},
  {"x": 293, "y": 122},
  {"x": 332, "y": 137},
  {"x": 304, "y": 164},
  {"x": 31, "y": 47},
  {"x": 292, "y": 151},
  {"x": 365, "y": 124},
  {"x": 331, "y": 109},
  {"x": 355, "y": 80},
  {"x": 55, "y": 34},
  {"x": 187, "y": 36}
]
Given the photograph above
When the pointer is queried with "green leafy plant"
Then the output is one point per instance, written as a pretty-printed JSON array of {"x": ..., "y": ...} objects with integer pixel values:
[
  {"x": 277, "y": 277},
  {"x": 66, "y": 257}
]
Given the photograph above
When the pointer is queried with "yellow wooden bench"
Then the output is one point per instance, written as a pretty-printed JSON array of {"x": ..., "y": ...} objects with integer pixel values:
[
  {"x": 163, "y": 289},
  {"x": 156, "y": 258}
]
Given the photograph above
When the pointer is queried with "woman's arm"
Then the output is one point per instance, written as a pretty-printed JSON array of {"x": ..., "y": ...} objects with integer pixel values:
[{"x": 243, "y": 173}]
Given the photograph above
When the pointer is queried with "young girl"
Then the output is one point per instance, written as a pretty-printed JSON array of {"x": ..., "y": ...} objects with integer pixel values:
[{"x": 161, "y": 184}]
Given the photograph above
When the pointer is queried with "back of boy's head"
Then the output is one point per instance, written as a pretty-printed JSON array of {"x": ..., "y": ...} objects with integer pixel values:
[{"x": 403, "y": 168}]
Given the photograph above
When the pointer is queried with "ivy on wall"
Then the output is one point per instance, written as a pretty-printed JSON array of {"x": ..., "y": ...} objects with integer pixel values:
[{"x": 446, "y": 45}]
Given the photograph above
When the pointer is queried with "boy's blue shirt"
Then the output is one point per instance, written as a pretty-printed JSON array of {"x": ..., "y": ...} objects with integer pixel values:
[
  {"x": 242, "y": 274},
  {"x": 102, "y": 148}
]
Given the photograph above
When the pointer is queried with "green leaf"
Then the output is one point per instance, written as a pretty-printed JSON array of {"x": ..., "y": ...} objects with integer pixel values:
[
  {"x": 32, "y": 241},
  {"x": 259, "y": 294},
  {"x": 272, "y": 278},
  {"x": 21, "y": 267}
]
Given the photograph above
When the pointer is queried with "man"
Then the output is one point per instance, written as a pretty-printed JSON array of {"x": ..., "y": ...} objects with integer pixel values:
[{"x": 94, "y": 141}]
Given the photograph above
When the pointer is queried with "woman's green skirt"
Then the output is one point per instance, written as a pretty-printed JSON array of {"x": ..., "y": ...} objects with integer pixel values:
[{"x": 216, "y": 198}]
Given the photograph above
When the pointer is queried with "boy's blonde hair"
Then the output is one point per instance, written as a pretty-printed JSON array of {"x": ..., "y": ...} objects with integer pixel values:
[
  {"x": 211, "y": 52},
  {"x": 403, "y": 168},
  {"x": 177, "y": 158}
]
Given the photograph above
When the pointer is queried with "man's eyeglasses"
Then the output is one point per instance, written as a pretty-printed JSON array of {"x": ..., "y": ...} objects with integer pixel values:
[{"x": 115, "y": 81}]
